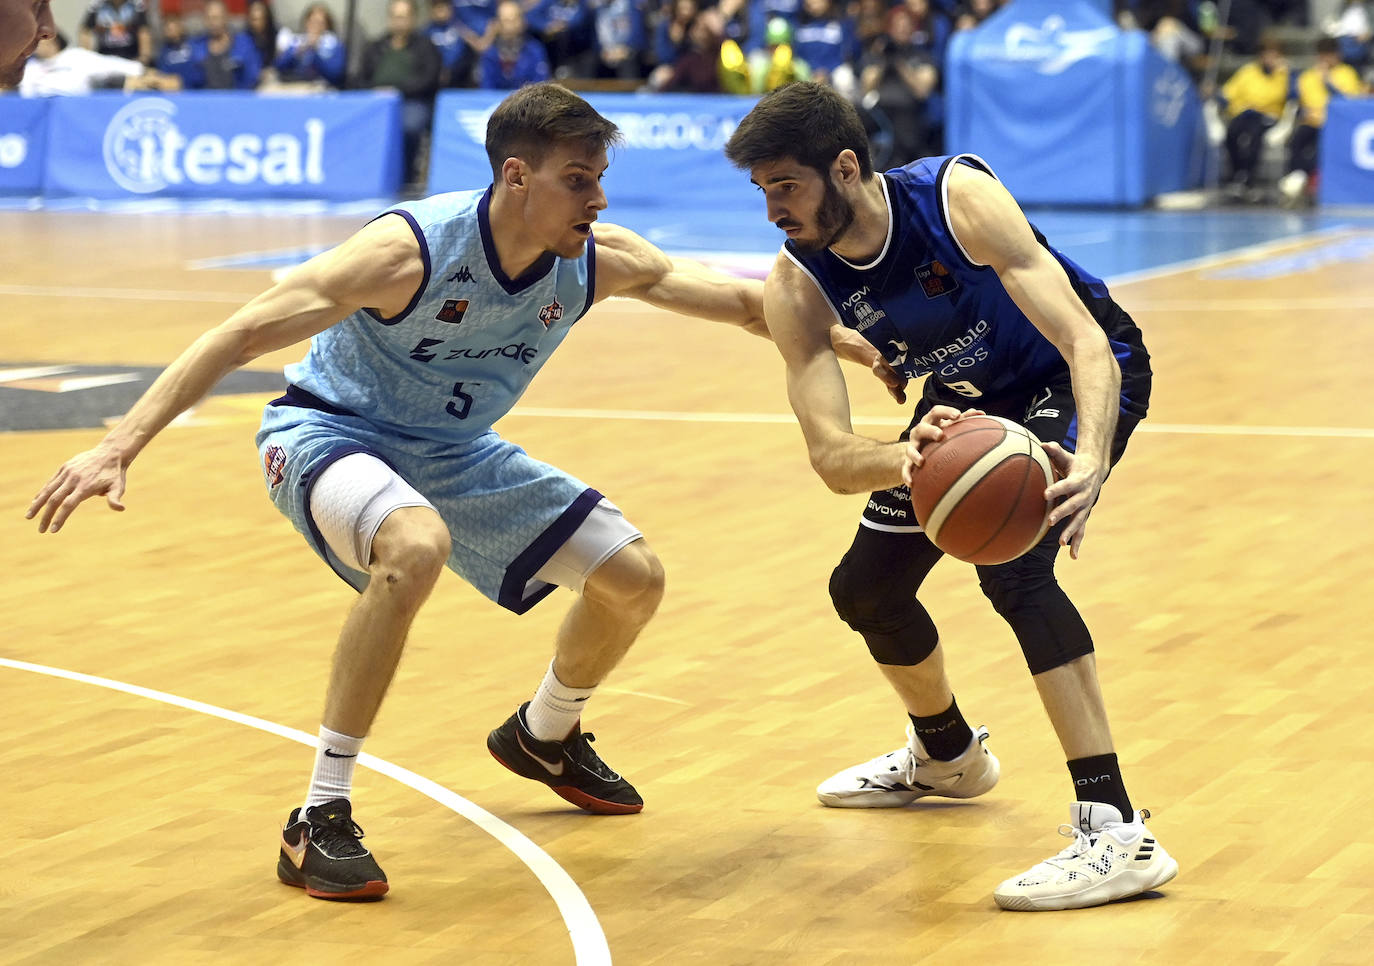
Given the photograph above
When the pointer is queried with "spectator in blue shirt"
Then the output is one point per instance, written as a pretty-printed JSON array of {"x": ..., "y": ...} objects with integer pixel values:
[
  {"x": 177, "y": 56},
  {"x": 762, "y": 11},
  {"x": 620, "y": 36},
  {"x": 449, "y": 36},
  {"x": 261, "y": 24},
  {"x": 568, "y": 33},
  {"x": 670, "y": 34},
  {"x": 826, "y": 40},
  {"x": 478, "y": 19},
  {"x": 514, "y": 58},
  {"x": 228, "y": 59},
  {"x": 313, "y": 54}
]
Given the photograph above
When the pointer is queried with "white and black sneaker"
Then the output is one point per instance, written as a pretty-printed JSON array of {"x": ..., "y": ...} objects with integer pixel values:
[
  {"x": 902, "y": 776},
  {"x": 1108, "y": 859}
]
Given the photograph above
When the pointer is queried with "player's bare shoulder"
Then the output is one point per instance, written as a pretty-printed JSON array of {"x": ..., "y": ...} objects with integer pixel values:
[
  {"x": 381, "y": 265},
  {"x": 626, "y": 264}
]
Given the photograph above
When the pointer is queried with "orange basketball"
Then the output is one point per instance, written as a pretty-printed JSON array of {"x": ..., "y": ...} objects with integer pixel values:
[{"x": 980, "y": 495}]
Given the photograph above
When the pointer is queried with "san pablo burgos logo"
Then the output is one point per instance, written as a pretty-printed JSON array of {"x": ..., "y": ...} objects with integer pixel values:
[{"x": 145, "y": 152}]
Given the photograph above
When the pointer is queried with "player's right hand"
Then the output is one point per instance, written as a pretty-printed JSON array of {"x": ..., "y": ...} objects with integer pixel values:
[
  {"x": 930, "y": 429},
  {"x": 94, "y": 472}
]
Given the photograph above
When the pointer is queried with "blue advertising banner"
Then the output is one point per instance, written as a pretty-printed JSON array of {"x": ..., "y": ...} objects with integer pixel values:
[
  {"x": 225, "y": 145},
  {"x": 673, "y": 146},
  {"x": 1347, "y": 153},
  {"x": 1070, "y": 109},
  {"x": 23, "y": 137}
]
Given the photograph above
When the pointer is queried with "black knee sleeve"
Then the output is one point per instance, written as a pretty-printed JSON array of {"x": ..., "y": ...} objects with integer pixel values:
[
  {"x": 1048, "y": 627},
  {"x": 893, "y": 623}
]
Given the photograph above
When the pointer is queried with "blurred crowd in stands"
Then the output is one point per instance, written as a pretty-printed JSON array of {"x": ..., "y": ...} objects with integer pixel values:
[{"x": 887, "y": 56}]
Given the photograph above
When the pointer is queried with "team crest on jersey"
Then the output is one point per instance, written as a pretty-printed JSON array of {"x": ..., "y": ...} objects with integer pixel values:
[
  {"x": 452, "y": 311},
  {"x": 935, "y": 280},
  {"x": 273, "y": 464},
  {"x": 551, "y": 313},
  {"x": 865, "y": 315}
]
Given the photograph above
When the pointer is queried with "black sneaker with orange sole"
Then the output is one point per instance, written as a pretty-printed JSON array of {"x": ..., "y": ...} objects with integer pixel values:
[
  {"x": 570, "y": 767},
  {"x": 321, "y": 854}
]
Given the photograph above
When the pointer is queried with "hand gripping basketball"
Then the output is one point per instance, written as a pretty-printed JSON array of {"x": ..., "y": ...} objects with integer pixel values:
[{"x": 979, "y": 492}]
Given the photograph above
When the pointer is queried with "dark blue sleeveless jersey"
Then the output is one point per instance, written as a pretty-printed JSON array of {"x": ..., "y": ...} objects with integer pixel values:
[{"x": 931, "y": 310}]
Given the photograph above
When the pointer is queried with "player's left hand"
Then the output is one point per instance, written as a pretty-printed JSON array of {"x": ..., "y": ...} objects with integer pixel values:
[
  {"x": 852, "y": 347},
  {"x": 1079, "y": 479}
]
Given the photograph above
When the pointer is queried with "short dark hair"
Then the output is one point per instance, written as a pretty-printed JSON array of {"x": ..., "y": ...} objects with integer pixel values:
[
  {"x": 1328, "y": 45},
  {"x": 805, "y": 121},
  {"x": 531, "y": 122}
]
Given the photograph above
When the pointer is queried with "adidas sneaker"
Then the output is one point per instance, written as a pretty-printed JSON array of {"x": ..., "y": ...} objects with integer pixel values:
[{"x": 902, "y": 776}]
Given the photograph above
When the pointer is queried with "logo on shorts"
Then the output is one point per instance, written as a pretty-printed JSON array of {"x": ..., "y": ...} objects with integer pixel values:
[
  {"x": 935, "y": 280},
  {"x": 273, "y": 463},
  {"x": 452, "y": 311},
  {"x": 551, "y": 313}
]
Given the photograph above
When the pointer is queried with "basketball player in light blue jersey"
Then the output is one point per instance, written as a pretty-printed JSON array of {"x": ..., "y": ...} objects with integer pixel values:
[
  {"x": 935, "y": 265},
  {"x": 425, "y": 328}
]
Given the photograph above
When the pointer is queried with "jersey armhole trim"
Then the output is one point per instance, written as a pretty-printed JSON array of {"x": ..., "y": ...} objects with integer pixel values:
[
  {"x": 591, "y": 277},
  {"x": 816, "y": 282},
  {"x": 424, "y": 282},
  {"x": 943, "y": 180}
]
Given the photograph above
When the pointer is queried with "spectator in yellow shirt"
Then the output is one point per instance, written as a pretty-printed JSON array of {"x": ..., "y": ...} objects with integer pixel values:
[
  {"x": 1254, "y": 99},
  {"x": 1326, "y": 79}
]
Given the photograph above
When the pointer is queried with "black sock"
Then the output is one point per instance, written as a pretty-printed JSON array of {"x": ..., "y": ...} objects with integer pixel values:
[
  {"x": 1098, "y": 779},
  {"x": 945, "y": 735}
]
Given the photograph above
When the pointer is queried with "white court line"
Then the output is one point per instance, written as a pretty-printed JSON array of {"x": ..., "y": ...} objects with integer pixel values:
[
  {"x": 642, "y": 694},
  {"x": 588, "y": 939},
  {"x": 1256, "y": 305},
  {"x": 134, "y": 294},
  {"x": 1230, "y": 255},
  {"x": 1182, "y": 429}
]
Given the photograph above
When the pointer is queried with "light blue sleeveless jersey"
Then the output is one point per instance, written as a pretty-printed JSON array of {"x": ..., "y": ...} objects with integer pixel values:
[
  {"x": 461, "y": 354},
  {"x": 420, "y": 392}
]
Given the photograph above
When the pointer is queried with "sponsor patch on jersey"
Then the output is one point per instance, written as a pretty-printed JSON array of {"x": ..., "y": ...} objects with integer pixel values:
[
  {"x": 452, "y": 311},
  {"x": 935, "y": 280},
  {"x": 273, "y": 464},
  {"x": 551, "y": 313}
]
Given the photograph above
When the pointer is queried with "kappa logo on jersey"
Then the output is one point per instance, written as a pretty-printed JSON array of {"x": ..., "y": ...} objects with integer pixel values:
[
  {"x": 453, "y": 310},
  {"x": 462, "y": 275},
  {"x": 273, "y": 464},
  {"x": 935, "y": 280},
  {"x": 551, "y": 313}
]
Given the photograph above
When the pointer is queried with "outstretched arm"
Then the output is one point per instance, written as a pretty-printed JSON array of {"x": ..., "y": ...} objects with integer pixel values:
[
  {"x": 379, "y": 267},
  {"x": 988, "y": 222},
  {"x": 628, "y": 265}
]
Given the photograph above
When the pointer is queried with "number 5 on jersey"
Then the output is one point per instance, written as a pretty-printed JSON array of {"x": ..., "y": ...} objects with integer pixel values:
[{"x": 461, "y": 403}]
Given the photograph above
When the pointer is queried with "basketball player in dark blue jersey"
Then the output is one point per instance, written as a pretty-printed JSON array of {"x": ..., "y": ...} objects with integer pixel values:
[{"x": 938, "y": 268}]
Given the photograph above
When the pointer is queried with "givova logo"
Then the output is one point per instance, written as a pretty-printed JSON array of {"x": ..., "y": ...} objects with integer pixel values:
[{"x": 145, "y": 151}]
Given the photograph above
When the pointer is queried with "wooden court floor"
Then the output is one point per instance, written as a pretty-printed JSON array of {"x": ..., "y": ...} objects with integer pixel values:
[{"x": 1227, "y": 576}]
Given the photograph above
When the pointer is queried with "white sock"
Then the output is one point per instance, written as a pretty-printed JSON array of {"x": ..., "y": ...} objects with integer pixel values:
[
  {"x": 334, "y": 761},
  {"x": 555, "y": 708}
]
